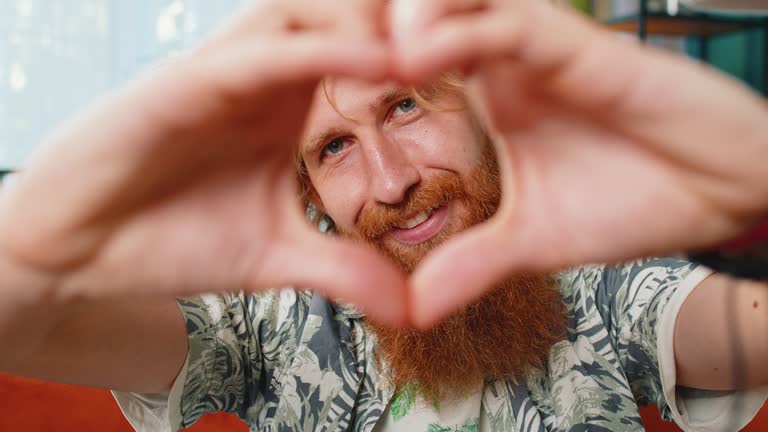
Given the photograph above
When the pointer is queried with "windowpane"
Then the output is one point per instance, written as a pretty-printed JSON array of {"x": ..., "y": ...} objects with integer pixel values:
[{"x": 57, "y": 55}]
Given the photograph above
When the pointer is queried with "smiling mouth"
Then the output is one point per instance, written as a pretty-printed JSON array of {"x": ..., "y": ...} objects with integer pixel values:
[
  {"x": 417, "y": 220},
  {"x": 421, "y": 227}
]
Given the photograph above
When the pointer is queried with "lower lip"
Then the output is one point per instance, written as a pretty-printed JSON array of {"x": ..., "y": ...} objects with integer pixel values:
[{"x": 425, "y": 231}]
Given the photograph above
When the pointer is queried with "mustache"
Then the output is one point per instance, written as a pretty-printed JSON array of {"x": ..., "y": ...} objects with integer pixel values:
[{"x": 376, "y": 220}]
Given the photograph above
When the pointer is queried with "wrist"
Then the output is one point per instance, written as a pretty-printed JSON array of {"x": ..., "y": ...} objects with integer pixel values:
[
  {"x": 28, "y": 312},
  {"x": 745, "y": 256}
]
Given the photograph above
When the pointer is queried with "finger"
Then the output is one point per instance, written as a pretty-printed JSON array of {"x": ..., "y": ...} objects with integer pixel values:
[
  {"x": 458, "y": 43},
  {"x": 254, "y": 64},
  {"x": 534, "y": 33},
  {"x": 463, "y": 270},
  {"x": 362, "y": 18},
  {"x": 357, "y": 18},
  {"x": 302, "y": 257},
  {"x": 410, "y": 18},
  {"x": 343, "y": 271}
]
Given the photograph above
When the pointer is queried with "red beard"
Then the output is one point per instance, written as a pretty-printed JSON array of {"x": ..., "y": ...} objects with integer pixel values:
[{"x": 506, "y": 333}]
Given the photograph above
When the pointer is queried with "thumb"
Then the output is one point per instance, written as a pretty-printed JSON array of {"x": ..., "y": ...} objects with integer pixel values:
[
  {"x": 461, "y": 271},
  {"x": 339, "y": 269}
]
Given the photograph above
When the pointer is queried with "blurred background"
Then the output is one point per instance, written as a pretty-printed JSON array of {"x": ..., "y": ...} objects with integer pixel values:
[
  {"x": 58, "y": 55},
  {"x": 730, "y": 35}
]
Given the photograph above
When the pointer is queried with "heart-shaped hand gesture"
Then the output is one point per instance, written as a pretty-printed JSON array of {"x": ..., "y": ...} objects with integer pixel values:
[
  {"x": 185, "y": 182},
  {"x": 608, "y": 150}
]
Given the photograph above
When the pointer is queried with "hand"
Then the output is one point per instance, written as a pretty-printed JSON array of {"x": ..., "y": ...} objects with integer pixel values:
[
  {"x": 184, "y": 182},
  {"x": 608, "y": 150}
]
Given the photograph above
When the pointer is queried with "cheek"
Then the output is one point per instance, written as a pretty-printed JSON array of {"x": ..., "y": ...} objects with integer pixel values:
[
  {"x": 342, "y": 197},
  {"x": 445, "y": 140}
]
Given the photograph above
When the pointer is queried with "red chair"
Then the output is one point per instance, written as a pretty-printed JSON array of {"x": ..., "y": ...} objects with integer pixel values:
[{"x": 34, "y": 406}]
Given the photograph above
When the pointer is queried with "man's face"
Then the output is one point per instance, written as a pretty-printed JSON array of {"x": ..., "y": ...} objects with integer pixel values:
[
  {"x": 388, "y": 170},
  {"x": 404, "y": 178}
]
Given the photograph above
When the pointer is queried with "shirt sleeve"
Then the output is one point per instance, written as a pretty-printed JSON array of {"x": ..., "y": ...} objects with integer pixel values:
[
  {"x": 234, "y": 350},
  {"x": 640, "y": 302}
]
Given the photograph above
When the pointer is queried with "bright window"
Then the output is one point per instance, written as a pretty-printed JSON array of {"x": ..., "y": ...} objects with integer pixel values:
[{"x": 57, "y": 55}]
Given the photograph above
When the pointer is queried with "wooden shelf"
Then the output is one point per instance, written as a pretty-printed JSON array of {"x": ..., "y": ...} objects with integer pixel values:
[{"x": 686, "y": 25}]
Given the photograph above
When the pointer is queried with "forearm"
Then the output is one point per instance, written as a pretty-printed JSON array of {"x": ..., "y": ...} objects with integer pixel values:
[
  {"x": 135, "y": 345},
  {"x": 27, "y": 314},
  {"x": 130, "y": 344}
]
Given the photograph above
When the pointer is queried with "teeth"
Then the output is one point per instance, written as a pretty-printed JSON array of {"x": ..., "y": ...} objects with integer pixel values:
[{"x": 415, "y": 221}]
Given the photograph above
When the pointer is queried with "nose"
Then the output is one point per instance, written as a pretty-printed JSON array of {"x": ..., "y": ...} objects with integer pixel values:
[{"x": 391, "y": 172}]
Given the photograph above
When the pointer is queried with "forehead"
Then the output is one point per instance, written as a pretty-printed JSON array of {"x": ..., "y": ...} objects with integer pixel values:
[
  {"x": 340, "y": 103},
  {"x": 346, "y": 96}
]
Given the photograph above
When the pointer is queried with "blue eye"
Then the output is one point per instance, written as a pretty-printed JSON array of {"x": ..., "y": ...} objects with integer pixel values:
[
  {"x": 334, "y": 147},
  {"x": 407, "y": 105}
]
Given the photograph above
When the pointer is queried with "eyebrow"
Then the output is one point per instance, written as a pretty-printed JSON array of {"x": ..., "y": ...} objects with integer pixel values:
[
  {"x": 319, "y": 140},
  {"x": 316, "y": 141},
  {"x": 388, "y": 97}
]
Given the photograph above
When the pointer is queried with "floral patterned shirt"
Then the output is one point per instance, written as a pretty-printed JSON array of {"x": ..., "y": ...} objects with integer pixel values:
[{"x": 288, "y": 360}]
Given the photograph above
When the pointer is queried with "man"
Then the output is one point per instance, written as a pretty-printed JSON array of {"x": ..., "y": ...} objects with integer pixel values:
[{"x": 186, "y": 185}]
